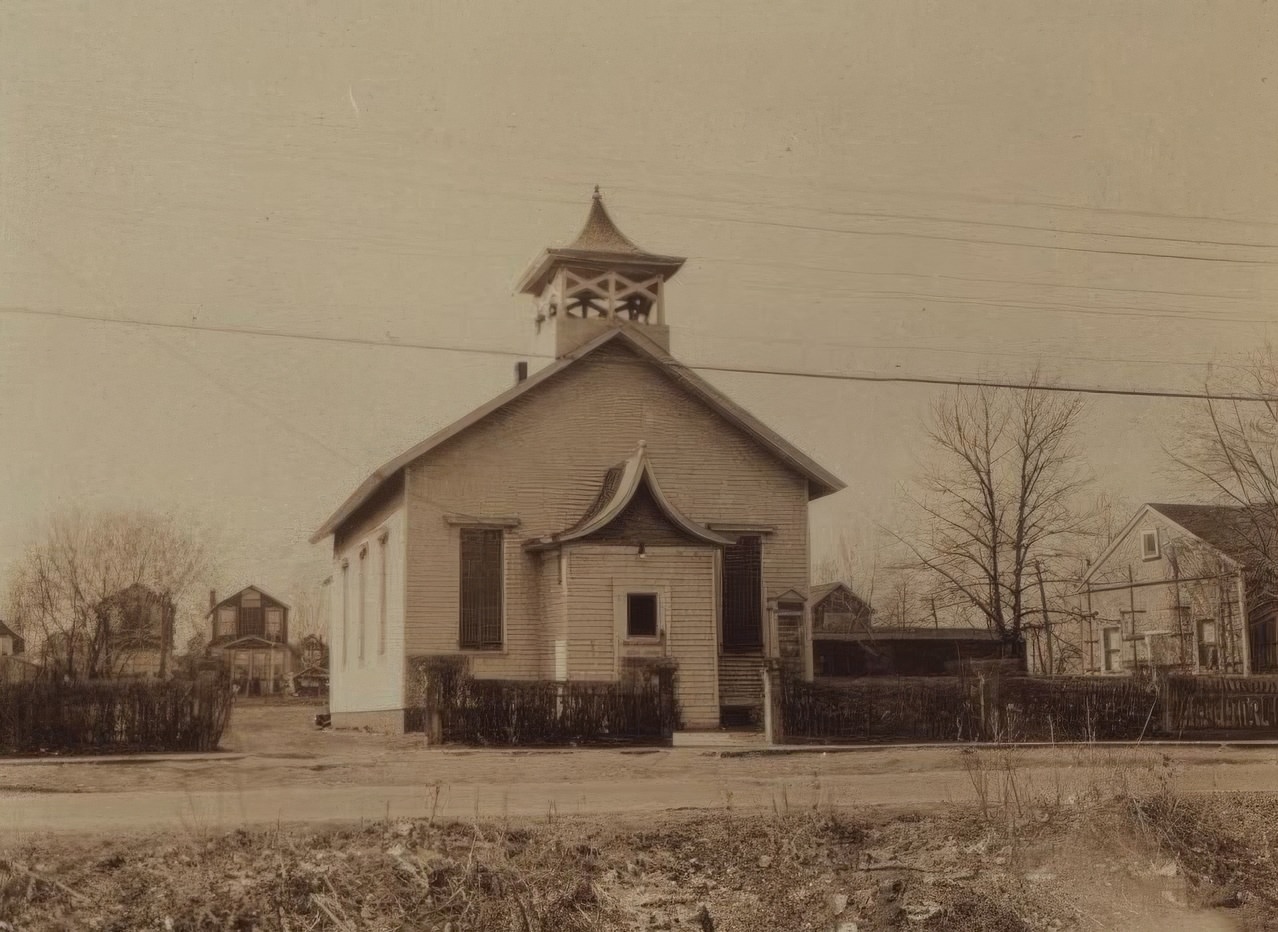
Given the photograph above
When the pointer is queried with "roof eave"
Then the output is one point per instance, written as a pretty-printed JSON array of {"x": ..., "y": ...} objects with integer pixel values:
[
  {"x": 539, "y": 271},
  {"x": 820, "y": 481}
]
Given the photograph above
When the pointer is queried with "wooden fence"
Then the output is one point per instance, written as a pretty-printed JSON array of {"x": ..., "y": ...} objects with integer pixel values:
[
  {"x": 113, "y": 716},
  {"x": 1220, "y": 703},
  {"x": 1019, "y": 708},
  {"x": 458, "y": 708}
]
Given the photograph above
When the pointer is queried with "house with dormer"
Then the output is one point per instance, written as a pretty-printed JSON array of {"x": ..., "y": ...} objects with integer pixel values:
[{"x": 611, "y": 508}]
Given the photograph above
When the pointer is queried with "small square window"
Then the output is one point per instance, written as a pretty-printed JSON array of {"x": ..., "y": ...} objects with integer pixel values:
[
  {"x": 1149, "y": 544},
  {"x": 641, "y": 615}
]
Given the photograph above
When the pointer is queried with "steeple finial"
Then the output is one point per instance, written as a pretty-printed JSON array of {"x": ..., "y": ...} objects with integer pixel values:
[{"x": 598, "y": 194}]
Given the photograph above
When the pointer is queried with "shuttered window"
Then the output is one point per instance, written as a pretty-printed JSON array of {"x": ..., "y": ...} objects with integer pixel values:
[
  {"x": 481, "y": 588},
  {"x": 743, "y": 594}
]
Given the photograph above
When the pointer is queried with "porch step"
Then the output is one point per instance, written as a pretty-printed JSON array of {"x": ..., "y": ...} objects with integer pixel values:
[{"x": 740, "y": 680}]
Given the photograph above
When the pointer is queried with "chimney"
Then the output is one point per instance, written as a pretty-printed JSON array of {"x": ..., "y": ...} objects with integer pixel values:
[
  {"x": 212, "y": 599},
  {"x": 521, "y": 371}
]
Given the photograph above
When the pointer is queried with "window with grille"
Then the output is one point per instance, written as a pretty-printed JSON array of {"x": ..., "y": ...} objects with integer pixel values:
[
  {"x": 1208, "y": 648},
  {"x": 274, "y": 624},
  {"x": 1112, "y": 641},
  {"x": 641, "y": 615},
  {"x": 251, "y": 624},
  {"x": 481, "y": 588},
  {"x": 743, "y": 594},
  {"x": 226, "y": 622}
]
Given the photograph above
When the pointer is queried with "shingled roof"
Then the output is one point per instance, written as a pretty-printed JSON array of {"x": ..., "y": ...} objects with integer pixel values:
[{"x": 1238, "y": 531}]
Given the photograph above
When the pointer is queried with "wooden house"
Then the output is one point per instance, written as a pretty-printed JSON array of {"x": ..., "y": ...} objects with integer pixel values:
[
  {"x": 1182, "y": 587},
  {"x": 612, "y": 508},
  {"x": 250, "y": 638},
  {"x": 11, "y": 643}
]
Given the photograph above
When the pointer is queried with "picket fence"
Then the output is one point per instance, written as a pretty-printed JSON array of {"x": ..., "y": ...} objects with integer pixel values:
[{"x": 1019, "y": 708}]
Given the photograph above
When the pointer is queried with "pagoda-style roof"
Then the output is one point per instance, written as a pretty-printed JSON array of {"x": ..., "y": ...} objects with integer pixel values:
[
  {"x": 620, "y": 486},
  {"x": 599, "y": 245}
]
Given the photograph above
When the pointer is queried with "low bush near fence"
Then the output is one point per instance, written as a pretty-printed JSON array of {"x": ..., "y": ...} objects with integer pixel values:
[
  {"x": 968, "y": 709},
  {"x": 474, "y": 711},
  {"x": 111, "y": 716}
]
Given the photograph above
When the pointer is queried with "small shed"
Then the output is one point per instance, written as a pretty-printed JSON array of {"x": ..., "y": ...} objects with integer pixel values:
[{"x": 874, "y": 651}]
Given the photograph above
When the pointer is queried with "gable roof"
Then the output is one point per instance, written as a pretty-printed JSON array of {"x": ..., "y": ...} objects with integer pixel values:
[
  {"x": 19, "y": 642},
  {"x": 1232, "y": 530},
  {"x": 620, "y": 485},
  {"x": 819, "y": 592},
  {"x": 239, "y": 592},
  {"x": 821, "y": 482},
  {"x": 1235, "y": 530},
  {"x": 822, "y": 591}
]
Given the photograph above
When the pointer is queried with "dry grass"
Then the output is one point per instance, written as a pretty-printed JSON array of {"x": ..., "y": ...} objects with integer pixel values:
[{"x": 1105, "y": 844}]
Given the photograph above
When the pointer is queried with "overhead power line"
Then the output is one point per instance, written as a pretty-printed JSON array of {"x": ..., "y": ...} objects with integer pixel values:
[{"x": 700, "y": 367}]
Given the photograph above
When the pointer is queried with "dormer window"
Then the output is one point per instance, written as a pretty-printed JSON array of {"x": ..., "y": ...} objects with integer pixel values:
[{"x": 1149, "y": 544}]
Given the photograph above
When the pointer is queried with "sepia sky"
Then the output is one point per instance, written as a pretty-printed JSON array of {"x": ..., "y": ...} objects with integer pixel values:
[{"x": 913, "y": 188}]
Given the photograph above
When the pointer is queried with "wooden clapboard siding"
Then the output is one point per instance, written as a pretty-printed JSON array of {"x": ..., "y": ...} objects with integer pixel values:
[
  {"x": 684, "y": 577},
  {"x": 542, "y": 458},
  {"x": 375, "y": 683},
  {"x": 1156, "y": 590}
]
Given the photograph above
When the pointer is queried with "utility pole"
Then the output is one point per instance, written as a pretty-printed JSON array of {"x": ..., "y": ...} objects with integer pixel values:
[{"x": 1047, "y": 624}]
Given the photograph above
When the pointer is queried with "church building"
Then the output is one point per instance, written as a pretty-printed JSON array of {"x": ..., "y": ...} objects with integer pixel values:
[{"x": 609, "y": 509}]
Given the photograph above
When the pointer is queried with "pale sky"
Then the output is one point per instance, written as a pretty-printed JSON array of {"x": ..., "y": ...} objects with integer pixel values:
[{"x": 882, "y": 187}]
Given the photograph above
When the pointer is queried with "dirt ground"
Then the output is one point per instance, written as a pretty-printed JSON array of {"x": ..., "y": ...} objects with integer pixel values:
[{"x": 286, "y": 770}]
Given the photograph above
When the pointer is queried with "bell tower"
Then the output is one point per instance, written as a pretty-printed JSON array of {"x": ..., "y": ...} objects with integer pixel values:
[{"x": 600, "y": 281}]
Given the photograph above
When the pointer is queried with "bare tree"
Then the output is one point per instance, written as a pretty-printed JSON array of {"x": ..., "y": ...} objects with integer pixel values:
[
  {"x": 309, "y": 611},
  {"x": 96, "y": 588},
  {"x": 1230, "y": 448},
  {"x": 998, "y": 495}
]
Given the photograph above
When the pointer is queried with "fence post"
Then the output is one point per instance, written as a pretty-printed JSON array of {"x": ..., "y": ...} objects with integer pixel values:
[
  {"x": 432, "y": 719},
  {"x": 1165, "y": 697},
  {"x": 773, "y": 720},
  {"x": 666, "y": 701}
]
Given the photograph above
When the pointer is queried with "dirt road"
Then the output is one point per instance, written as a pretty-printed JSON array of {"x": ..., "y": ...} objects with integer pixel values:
[
  {"x": 292, "y": 773},
  {"x": 487, "y": 791}
]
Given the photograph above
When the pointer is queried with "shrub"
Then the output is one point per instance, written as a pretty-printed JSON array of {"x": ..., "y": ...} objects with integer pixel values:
[
  {"x": 637, "y": 709},
  {"x": 104, "y": 716}
]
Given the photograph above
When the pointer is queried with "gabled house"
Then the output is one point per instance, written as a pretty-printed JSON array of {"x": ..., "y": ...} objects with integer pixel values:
[
  {"x": 1182, "y": 587},
  {"x": 250, "y": 639},
  {"x": 128, "y": 635},
  {"x": 14, "y": 666},
  {"x": 611, "y": 509},
  {"x": 11, "y": 643}
]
